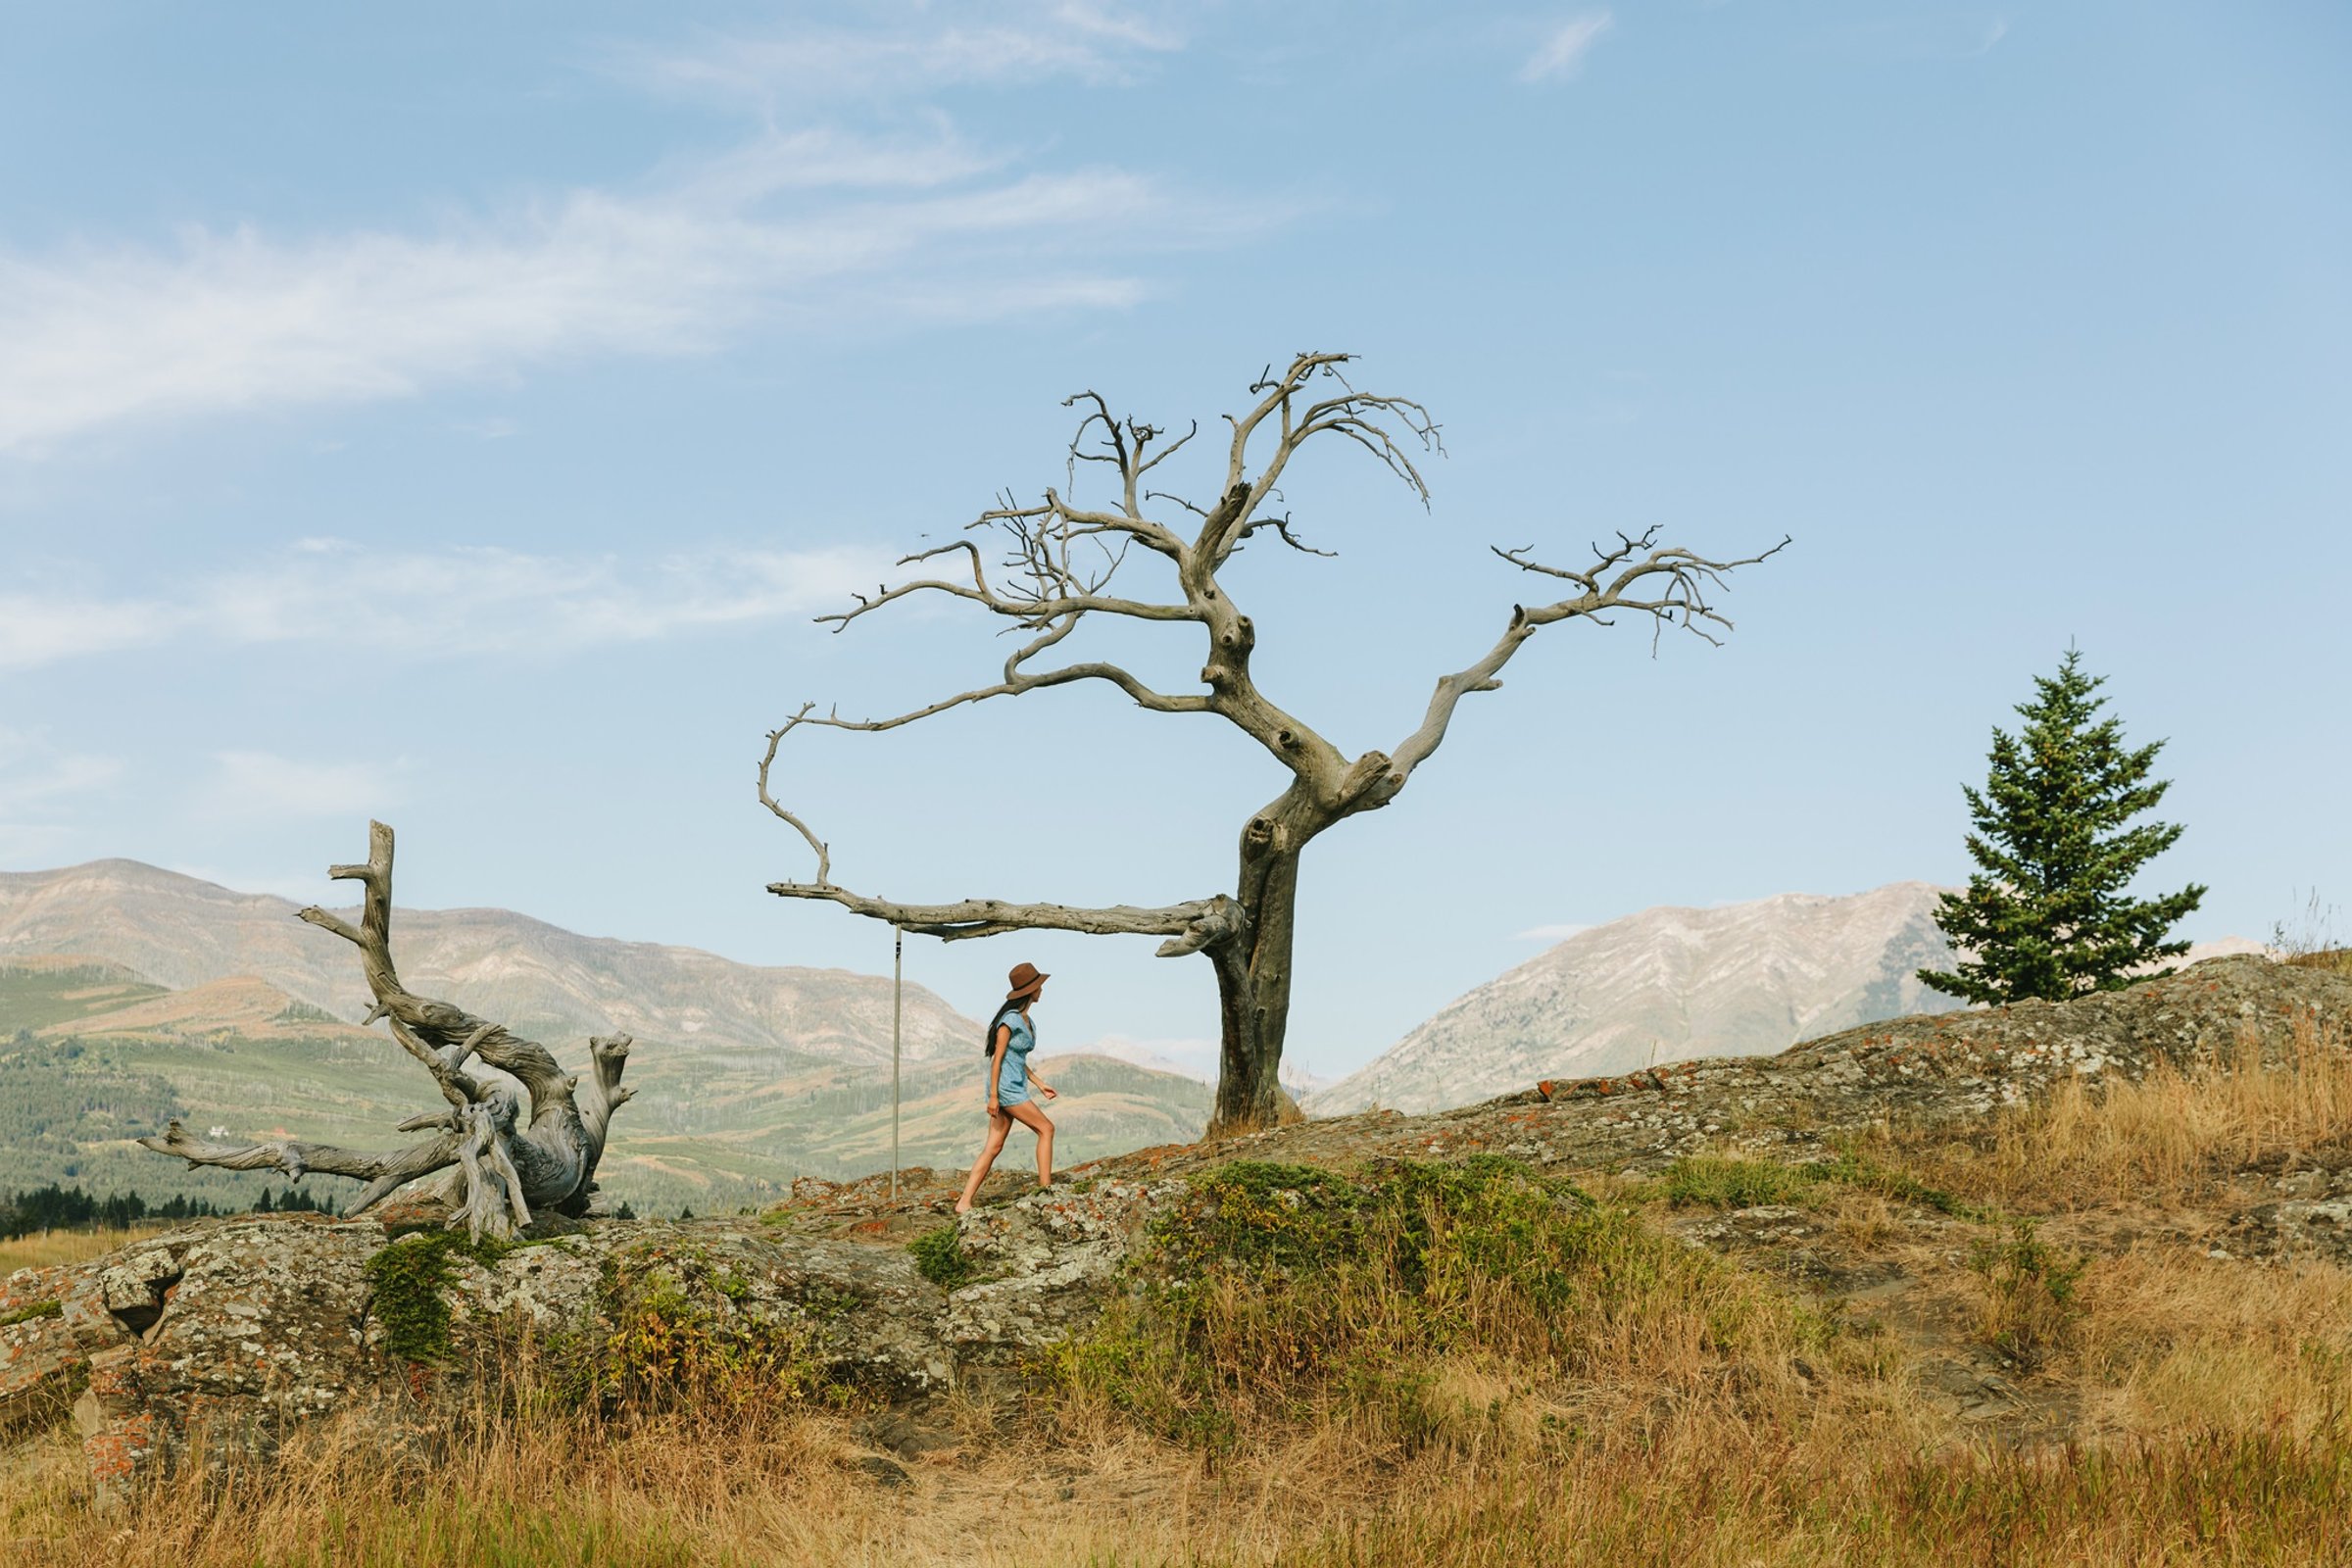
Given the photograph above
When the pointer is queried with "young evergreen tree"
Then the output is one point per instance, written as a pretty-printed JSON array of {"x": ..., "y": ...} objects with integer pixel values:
[{"x": 2046, "y": 913}]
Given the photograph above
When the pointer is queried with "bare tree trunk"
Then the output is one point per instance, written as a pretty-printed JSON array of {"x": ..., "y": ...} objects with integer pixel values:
[
  {"x": 1253, "y": 1002},
  {"x": 1254, "y": 969}
]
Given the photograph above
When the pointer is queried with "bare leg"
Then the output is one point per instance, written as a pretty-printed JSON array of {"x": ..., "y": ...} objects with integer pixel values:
[
  {"x": 1000, "y": 1124},
  {"x": 1038, "y": 1122}
]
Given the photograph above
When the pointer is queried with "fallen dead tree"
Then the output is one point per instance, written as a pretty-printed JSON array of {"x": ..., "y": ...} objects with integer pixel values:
[{"x": 499, "y": 1160}]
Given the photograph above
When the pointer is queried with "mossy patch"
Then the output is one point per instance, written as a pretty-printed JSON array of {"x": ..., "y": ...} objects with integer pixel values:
[
  {"x": 25, "y": 1314},
  {"x": 407, "y": 1281}
]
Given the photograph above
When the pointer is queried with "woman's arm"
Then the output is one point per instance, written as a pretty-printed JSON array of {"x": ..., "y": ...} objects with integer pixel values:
[{"x": 996, "y": 1063}]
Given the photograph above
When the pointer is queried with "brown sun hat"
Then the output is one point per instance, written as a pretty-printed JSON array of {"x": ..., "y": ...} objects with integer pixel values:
[{"x": 1025, "y": 980}]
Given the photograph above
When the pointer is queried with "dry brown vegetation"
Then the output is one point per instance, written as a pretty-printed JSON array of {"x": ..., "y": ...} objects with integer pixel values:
[
  {"x": 2175, "y": 1139},
  {"x": 47, "y": 1248},
  {"x": 1478, "y": 1365}
]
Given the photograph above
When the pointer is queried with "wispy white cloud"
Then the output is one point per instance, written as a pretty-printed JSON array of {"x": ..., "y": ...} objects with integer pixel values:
[
  {"x": 900, "y": 51},
  {"x": 1564, "y": 48},
  {"x": 813, "y": 229},
  {"x": 464, "y": 600},
  {"x": 1548, "y": 933},
  {"x": 809, "y": 223}
]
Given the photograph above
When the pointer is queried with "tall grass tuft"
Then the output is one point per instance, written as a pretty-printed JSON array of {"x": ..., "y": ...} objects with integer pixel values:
[{"x": 1275, "y": 1293}]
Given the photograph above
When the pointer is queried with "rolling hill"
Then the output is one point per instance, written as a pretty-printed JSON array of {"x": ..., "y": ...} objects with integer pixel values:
[
  {"x": 1669, "y": 984},
  {"x": 129, "y": 995}
]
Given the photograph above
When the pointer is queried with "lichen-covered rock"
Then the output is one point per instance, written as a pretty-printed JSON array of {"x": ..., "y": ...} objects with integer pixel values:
[
  {"x": 241, "y": 1327},
  {"x": 2311, "y": 1219},
  {"x": 1044, "y": 1265},
  {"x": 52, "y": 1321}
]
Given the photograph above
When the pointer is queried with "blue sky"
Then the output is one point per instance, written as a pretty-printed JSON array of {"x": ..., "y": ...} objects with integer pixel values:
[{"x": 455, "y": 414}]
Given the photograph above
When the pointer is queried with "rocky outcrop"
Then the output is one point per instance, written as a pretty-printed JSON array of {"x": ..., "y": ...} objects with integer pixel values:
[
  {"x": 240, "y": 1327},
  {"x": 1045, "y": 1262},
  {"x": 1928, "y": 1067},
  {"x": 236, "y": 1329}
]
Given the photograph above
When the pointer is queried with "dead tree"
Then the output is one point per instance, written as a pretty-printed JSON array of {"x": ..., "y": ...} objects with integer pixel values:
[
  {"x": 1060, "y": 559},
  {"x": 499, "y": 1164}
]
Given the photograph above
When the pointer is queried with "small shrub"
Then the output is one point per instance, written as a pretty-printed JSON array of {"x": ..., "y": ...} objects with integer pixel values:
[
  {"x": 940, "y": 1258},
  {"x": 677, "y": 1334},
  {"x": 2030, "y": 1302},
  {"x": 1274, "y": 1292},
  {"x": 1707, "y": 1182}
]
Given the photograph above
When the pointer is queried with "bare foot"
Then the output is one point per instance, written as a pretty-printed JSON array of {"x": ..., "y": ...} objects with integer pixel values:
[{"x": 963, "y": 1205}]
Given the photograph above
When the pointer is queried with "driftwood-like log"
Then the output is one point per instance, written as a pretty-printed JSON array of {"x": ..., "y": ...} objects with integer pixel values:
[{"x": 496, "y": 1165}]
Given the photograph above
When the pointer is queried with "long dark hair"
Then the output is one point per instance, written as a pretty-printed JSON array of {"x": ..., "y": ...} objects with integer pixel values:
[{"x": 988, "y": 1041}]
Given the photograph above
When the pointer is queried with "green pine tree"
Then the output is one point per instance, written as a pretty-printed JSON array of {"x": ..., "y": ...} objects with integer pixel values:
[{"x": 2046, "y": 913}]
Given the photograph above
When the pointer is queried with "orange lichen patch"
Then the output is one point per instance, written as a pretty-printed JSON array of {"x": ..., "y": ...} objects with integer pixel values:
[{"x": 116, "y": 1451}]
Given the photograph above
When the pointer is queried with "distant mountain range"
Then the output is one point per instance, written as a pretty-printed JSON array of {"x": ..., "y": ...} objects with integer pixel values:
[
  {"x": 132, "y": 994},
  {"x": 1670, "y": 984},
  {"x": 539, "y": 980},
  {"x": 140, "y": 988}
]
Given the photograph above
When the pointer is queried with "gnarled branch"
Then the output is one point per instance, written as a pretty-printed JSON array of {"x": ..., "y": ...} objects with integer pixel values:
[
  {"x": 504, "y": 1164},
  {"x": 1633, "y": 574},
  {"x": 1059, "y": 560},
  {"x": 1188, "y": 926}
]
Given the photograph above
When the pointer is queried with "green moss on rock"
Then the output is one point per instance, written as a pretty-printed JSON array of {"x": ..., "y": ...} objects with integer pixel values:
[
  {"x": 408, "y": 1282},
  {"x": 25, "y": 1314}
]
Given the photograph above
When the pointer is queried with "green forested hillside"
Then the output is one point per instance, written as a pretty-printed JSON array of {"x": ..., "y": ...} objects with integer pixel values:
[{"x": 93, "y": 1057}]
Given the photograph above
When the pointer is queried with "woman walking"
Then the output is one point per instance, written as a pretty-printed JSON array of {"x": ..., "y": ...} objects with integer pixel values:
[{"x": 1010, "y": 1083}]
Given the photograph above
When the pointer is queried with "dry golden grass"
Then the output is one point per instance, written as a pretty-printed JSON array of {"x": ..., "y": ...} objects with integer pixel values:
[
  {"x": 2172, "y": 1341},
  {"x": 1678, "y": 1410},
  {"x": 1862, "y": 1220},
  {"x": 2166, "y": 1140},
  {"x": 50, "y": 1248},
  {"x": 1503, "y": 1480}
]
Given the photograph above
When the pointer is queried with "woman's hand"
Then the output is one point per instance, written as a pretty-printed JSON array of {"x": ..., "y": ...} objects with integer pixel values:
[
  {"x": 1047, "y": 1090},
  {"x": 992, "y": 1106}
]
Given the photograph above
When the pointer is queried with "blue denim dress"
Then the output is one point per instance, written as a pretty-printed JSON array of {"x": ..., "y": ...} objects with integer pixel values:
[{"x": 1012, "y": 1082}]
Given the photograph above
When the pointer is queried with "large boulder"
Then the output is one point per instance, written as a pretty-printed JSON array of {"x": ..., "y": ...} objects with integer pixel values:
[{"x": 239, "y": 1327}]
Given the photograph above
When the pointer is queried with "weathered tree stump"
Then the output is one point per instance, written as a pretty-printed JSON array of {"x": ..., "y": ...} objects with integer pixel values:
[{"x": 496, "y": 1163}]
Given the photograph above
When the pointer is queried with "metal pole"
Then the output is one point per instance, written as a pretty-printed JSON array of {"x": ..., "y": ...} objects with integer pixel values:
[{"x": 897, "y": 996}]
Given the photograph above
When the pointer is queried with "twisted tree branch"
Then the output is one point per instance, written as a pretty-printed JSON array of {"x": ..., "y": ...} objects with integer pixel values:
[{"x": 1614, "y": 581}]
